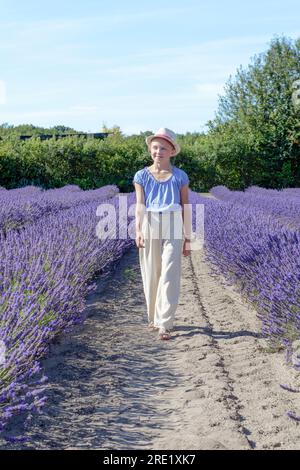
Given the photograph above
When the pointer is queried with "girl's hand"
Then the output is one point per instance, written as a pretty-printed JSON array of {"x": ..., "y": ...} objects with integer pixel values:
[
  {"x": 139, "y": 240},
  {"x": 186, "y": 247}
]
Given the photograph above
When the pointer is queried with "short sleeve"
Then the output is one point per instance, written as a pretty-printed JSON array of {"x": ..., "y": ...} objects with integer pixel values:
[
  {"x": 138, "y": 178},
  {"x": 184, "y": 179}
]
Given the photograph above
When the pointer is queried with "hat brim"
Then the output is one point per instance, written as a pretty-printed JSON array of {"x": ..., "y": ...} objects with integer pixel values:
[{"x": 174, "y": 144}]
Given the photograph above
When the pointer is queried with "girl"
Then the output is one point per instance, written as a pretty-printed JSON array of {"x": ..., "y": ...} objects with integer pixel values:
[{"x": 161, "y": 216}]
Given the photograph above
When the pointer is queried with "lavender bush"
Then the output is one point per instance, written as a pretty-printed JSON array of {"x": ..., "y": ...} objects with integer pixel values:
[
  {"x": 26, "y": 205},
  {"x": 261, "y": 255},
  {"x": 284, "y": 205},
  {"x": 259, "y": 252},
  {"x": 46, "y": 270}
]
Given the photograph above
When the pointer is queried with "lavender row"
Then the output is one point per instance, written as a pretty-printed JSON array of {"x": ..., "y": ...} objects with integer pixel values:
[
  {"x": 261, "y": 256},
  {"x": 285, "y": 206},
  {"x": 21, "y": 206},
  {"x": 258, "y": 254},
  {"x": 46, "y": 270},
  {"x": 274, "y": 192}
]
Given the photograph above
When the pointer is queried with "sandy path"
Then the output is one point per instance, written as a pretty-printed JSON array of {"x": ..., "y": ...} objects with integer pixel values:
[
  {"x": 114, "y": 385},
  {"x": 231, "y": 396},
  {"x": 207, "y": 195}
]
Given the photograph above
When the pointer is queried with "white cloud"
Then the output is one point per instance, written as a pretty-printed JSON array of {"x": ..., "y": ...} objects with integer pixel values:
[
  {"x": 209, "y": 60},
  {"x": 2, "y": 92},
  {"x": 102, "y": 22},
  {"x": 45, "y": 113},
  {"x": 175, "y": 85},
  {"x": 210, "y": 90},
  {"x": 84, "y": 109},
  {"x": 131, "y": 106}
]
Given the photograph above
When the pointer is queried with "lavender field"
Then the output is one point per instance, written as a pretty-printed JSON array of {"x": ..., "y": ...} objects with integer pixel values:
[
  {"x": 50, "y": 256},
  {"x": 253, "y": 238},
  {"x": 46, "y": 269}
]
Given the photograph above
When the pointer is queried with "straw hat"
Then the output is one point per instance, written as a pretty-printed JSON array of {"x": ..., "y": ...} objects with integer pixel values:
[{"x": 166, "y": 134}]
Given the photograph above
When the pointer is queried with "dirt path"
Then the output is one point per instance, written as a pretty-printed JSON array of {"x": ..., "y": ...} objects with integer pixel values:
[
  {"x": 208, "y": 195},
  {"x": 114, "y": 385},
  {"x": 231, "y": 398}
]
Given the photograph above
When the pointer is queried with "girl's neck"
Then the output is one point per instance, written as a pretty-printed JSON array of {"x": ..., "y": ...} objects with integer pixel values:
[{"x": 167, "y": 166}]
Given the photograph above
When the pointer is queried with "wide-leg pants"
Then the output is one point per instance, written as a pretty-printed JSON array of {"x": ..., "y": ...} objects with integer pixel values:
[{"x": 160, "y": 262}]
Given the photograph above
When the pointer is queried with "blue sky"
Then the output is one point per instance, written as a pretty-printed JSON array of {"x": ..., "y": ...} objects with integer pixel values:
[{"x": 138, "y": 65}]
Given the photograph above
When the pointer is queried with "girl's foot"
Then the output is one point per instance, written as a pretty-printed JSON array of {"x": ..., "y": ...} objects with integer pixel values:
[
  {"x": 164, "y": 334},
  {"x": 151, "y": 326}
]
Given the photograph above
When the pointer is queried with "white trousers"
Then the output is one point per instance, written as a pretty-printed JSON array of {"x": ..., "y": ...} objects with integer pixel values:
[{"x": 160, "y": 262}]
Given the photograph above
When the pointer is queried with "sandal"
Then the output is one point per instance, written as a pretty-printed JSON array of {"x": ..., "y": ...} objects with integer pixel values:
[
  {"x": 164, "y": 334},
  {"x": 151, "y": 326}
]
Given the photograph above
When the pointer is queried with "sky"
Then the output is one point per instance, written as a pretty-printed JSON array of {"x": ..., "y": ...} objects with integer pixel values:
[{"x": 136, "y": 65}]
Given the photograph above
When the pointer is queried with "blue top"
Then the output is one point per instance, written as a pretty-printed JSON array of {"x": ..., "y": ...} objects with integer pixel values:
[{"x": 162, "y": 196}]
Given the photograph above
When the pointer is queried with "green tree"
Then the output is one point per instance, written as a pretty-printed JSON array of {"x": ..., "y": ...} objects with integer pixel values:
[
  {"x": 256, "y": 129},
  {"x": 115, "y": 130}
]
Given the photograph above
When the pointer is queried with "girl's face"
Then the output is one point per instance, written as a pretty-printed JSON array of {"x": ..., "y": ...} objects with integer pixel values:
[{"x": 160, "y": 149}]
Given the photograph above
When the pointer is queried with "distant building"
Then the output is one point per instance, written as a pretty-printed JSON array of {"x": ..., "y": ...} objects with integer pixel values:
[{"x": 97, "y": 135}]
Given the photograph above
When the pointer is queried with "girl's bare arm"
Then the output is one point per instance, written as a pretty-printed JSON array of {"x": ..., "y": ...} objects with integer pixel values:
[
  {"x": 186, "y": 212},
  {"x": 140, "y": 206}
]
